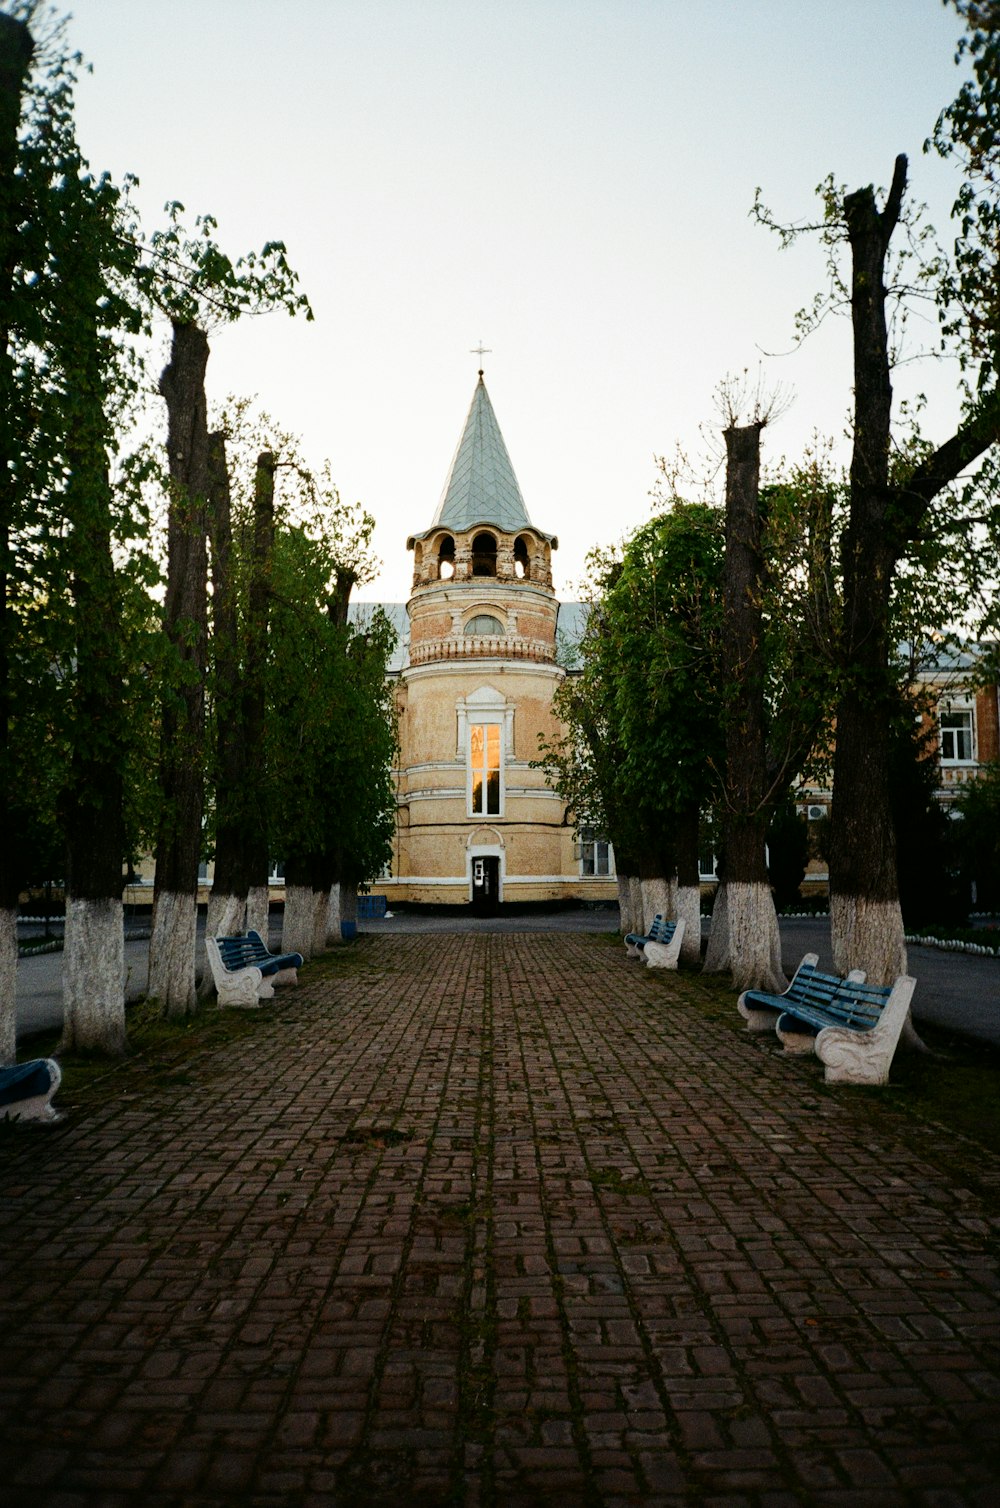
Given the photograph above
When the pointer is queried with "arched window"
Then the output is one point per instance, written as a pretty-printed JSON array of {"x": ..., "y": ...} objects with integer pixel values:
[
  {"x": 522, "y": 560},
  {"x": 446, "y": 558},
  {"x": 484, "y": 555},
  {"x": 484, "y": 625}
]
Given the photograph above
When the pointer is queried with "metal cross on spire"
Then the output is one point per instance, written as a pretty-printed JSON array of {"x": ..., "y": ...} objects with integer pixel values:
[{"x": 481, "y": 351}]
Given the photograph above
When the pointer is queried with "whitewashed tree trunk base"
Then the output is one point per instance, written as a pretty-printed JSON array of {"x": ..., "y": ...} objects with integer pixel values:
[
  {"x": 321, "y": 922},
  {"x": 717, "y": 953},
  {"x": 638, "y": 913},
  {"x": 258, "y": 917},
  {"x": 659, "y": 898},
  {"x": 94, "y": 977},
  {"x": 333, "y": 917},
  {"x": 689, "y": 912},
  {"x": 869, "y": 935},
  {"x": 227, "y": 917},
  {"x": 172, "y": 953},
  {"x": 8, "y": 986},
  {"x": 624, "y": 889},
  {"x": 754, "y": 943},
  {"x": 299, "y": 921}
]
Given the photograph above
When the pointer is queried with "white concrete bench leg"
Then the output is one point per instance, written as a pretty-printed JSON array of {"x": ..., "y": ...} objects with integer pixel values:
[
  {"x": 243, "y": 988},
  {"x": 761, "y": 1019},
  {"x": 865, "y": 1057},
  {"x": 665, "y": 955}
]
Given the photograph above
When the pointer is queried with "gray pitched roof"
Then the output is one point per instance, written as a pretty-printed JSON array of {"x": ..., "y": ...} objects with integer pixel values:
[
  {"x": 481, "y": 486},
  {"x": 360, "y": 614}
]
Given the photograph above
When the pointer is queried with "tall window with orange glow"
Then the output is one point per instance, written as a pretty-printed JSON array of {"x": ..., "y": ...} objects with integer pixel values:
[{"x": 484, "y": 759}]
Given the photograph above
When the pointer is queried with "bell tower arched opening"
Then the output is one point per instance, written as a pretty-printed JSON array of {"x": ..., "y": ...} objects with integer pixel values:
[
  {"x": 446, "y": 558},
  {"x": 484, "y": 555}
]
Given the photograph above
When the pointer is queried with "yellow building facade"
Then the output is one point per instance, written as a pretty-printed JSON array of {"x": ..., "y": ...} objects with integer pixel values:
[{"x": 476, "y": 669}]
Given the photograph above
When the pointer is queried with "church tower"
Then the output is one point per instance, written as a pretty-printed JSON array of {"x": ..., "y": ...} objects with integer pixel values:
[{"x": 477, "y": 824}]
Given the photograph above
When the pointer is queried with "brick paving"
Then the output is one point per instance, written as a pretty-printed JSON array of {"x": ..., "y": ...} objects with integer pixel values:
[{"x": 494, "y": 1220}]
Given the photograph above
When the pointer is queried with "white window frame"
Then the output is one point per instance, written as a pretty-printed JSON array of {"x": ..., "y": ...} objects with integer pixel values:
[
  {"x": 956, "y": 710},
  {"x": 489, "y": 708},
  {"x": 590, "y": 843},
  {"x": 487, "y": 723}
]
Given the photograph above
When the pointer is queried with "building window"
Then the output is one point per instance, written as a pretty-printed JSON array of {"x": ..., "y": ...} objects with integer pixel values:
[
  {"x": 522, "y": 561},
  {"x": 956, "y": 737},
  {"x": 595, "y": 853},
  {"x": 484, "y": 624},
  {"x": 484, "y": 765}
]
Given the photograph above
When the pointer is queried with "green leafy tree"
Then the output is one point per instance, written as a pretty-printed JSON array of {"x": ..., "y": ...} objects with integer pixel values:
[
  {"x": 72, "y": 523},
  {"x": 332, "y": 736},
  {"x": 16, "y": 49},
  {"x": 294, "y": 548},
  {"x": 187, "y": 276},
  {"x": 639, "y": 756}
]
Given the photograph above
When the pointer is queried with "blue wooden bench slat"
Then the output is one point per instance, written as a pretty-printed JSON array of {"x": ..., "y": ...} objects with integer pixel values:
[
  {"x": 240, "y": 952},
  {"x": 659, "y": 931},
  {"x": 26, "y": 1090}
]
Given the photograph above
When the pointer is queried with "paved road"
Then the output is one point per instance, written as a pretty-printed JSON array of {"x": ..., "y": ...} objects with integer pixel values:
[
  {"x": 493, "y": 1221},
  {"x": 956, "y": 990}
]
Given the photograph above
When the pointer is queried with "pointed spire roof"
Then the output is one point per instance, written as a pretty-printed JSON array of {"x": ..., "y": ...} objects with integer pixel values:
[{"x": 481, "y": 487}]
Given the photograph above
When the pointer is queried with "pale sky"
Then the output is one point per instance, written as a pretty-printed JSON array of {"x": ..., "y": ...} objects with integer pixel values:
[{"x": 567, "y": 181}]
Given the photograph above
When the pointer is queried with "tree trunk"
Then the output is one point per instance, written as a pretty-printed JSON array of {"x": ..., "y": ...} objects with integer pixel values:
[
  {"x": 659, "y": 898},
  {"x": 92, "y": 800},
  {"x": 865, "y": 916},
  {"x": 689, "y": 887},
  {"x": 321, "y": 924},
  {"x": 226, "y": 917},
  {"x": 299, "y": 925},
  {"x": 227, "y": 902},
  {"x": 717, "y": 953},
  {"x": 752, "y": 920},
  {"x": 623, "y": 885},
  {"x": 257, "y": 854},
  {"x": 348, "y": 901},
  {"x": 333, "y": 916},
  {"x": 258, "y": 918},
  {"x": 637, "y": 907},
  {"x": 94, "y": 977},
  {"x": 16, "y": 49},
  {"x": 182, "y": 750},
  {"x": 8, "y": 985}
]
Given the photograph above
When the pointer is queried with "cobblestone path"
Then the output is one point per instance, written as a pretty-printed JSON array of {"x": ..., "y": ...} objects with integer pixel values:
[{"x": 492, "y": 1220}]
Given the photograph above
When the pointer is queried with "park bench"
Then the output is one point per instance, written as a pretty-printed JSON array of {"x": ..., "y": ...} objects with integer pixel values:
[
  {"x": 245, "y": 971},
  {"x": 852, "y": 1026},
  {"x": 661, "y": 945},
  {"x": 26, "y": 1090}
]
